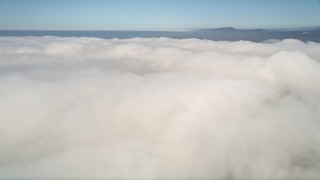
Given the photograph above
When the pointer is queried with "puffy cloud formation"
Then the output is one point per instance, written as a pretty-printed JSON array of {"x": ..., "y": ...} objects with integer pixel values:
[{"x": 159, "y": 108}]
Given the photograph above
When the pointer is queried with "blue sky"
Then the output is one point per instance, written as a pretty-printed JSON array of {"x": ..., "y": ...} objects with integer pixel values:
[{"x": 157, "y": 14}]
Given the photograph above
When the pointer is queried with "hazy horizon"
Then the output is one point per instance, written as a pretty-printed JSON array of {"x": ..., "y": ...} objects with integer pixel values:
[{"x": 298, "y": 28}]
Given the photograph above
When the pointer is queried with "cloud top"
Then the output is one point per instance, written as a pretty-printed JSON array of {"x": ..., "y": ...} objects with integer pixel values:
[{"x": 159, "y": 108}]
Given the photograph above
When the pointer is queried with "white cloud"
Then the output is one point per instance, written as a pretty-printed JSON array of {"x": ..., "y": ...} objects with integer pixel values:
[{"x": 86, "y": 107}]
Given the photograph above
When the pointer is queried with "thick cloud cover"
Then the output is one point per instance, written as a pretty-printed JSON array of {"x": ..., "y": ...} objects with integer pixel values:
[{"x": 158, "y": 108}]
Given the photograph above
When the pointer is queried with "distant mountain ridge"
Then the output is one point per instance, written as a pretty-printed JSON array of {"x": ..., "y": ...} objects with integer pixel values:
[
  {"x": 315, "y": 28},
  {"x": 224, "y": 29}
]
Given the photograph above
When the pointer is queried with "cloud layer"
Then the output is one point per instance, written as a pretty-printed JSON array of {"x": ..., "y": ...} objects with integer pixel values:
[{"x": 159, "y": 108}]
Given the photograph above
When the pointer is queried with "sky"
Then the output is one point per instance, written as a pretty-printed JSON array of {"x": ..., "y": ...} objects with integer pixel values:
[{"x": 156, "y": 14}]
